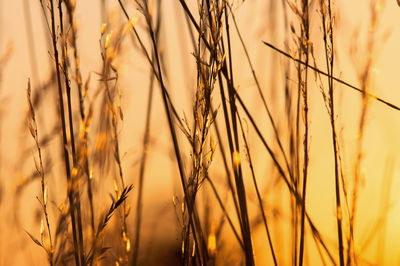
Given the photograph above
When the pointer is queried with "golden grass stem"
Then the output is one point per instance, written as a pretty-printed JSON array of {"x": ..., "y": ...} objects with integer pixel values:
[{"x": 64, "y": 137}]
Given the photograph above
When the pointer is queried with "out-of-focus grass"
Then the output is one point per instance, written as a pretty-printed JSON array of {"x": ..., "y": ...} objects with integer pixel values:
[{"x": 169, "y": 133}]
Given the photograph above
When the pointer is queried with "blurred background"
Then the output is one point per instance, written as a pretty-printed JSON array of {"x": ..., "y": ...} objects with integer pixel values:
[{"x": 367, "y": 37}]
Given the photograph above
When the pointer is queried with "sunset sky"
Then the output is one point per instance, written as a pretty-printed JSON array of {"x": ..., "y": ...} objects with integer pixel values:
[{"x": 258, "y": 21}]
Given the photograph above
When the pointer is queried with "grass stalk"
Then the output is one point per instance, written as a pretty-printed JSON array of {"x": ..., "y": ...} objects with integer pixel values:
[
  {"x": 365, "y": 79},
  {"x": 64, "y": 56},
  {"x": 78, "y": 80},
  {"x": 347, "y": 84},
  {"x": 169, "y": 107},
  {"x": 221, "y": 204},
  {"x": 260, "y": 202},
  {"x": 298, "y": 198},
  {"x": 64, "y": 136},
  {"x": 329, "y": 55},
  {"x": 259, "y": 89},
  {"x": 290, "y": 187},
  {"x": 226, "y": 167},
  {"x": 240, "y": 189},
  {"x": 193, "y": 219},
  {"x": 34, "y": 132},
  {"x": 146, "y": 142},
  {"x": 219, "y": 58},
  {"x": 305, "y": 41}
]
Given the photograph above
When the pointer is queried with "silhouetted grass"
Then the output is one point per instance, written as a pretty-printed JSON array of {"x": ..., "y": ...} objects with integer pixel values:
[{"x": 224, "y": 196}]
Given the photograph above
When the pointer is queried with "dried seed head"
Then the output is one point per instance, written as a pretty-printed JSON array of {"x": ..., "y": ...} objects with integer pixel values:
[
  {"x": 174, "y": 200},
  {"x": 116, "y": 186},
  {"x": 91, "y": 173},
  {"x": 212, "y": 243},
  {"x": 74, "y": 171},
  {"x": 103, "y": 28},
  {"x": 41, "y": 227},
  {"x": 127, "y": 209},
  {"x": 83, "y": 130},
  {"x": 131, "y": 23},
  {"x": 45, "y": 195},
  {"x": 108, "y": 40},
  {"x": 236, "y": 158},
  {"x": 128, "y": 245},
  {"x": 194, "y": 248},
  {"x": 74, "y": 25}
]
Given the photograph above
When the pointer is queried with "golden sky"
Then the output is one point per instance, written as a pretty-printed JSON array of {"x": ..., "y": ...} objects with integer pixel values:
[{"x": 256, "y": 23}]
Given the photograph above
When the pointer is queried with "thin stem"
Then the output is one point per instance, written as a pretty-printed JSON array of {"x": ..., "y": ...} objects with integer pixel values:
[
  {"x": 305, "y": 40},
  {"x": 224, "y": 211},
  {"x": 64, "y": 136},
  {"x": 391, "y": 105},
  {"x": 78, "y": 81},
  {"x": 260, "y": 202},
  {"x": 240, "y": 188},
  {"x": 292, "y": 190},
  {"x": 71, "y": 129},
  {"x": 253, "y": 72},
  {"x": 329, "y": 56},
  {"x": 228, "y": 173},
  {"x": 33, "y": 128},
  {"x": 146, "y": 141},
  {"x": 192, "y": 218}
]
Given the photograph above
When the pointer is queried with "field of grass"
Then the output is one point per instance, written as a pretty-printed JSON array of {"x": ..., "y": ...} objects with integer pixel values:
[{"x": 204, "y": 132}]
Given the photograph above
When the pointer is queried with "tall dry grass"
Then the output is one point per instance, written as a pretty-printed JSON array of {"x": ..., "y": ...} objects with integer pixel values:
[{"x": 242, "y": 157}]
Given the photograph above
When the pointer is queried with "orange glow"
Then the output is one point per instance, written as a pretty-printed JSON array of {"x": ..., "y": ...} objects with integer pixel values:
[
  {"x": 212, "y": 243},
  {"x": 158, "y": 100}
]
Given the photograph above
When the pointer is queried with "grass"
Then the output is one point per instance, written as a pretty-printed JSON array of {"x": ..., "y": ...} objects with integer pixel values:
[{"x": 230, "y": 156}]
